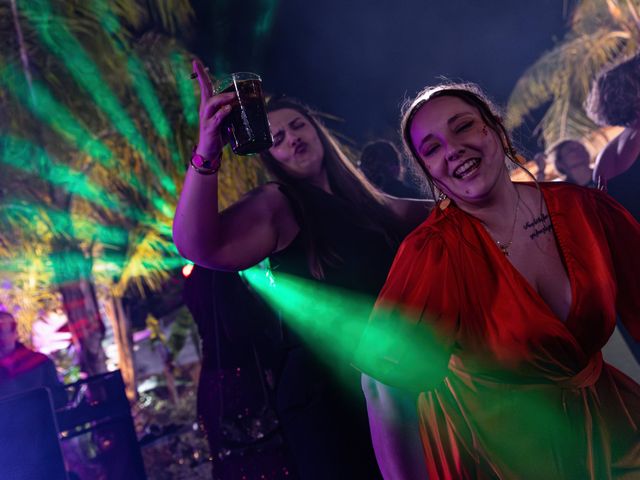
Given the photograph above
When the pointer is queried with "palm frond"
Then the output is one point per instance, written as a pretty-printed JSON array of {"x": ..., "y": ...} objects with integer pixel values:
[
  {"x": 600, "y": 32},
  {"x": 147, "y": 262},
  {"x": 566, "y": 70}
]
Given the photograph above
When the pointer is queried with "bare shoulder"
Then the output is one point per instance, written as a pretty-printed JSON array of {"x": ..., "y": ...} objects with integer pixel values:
[
  {"x": 267, "y": 201},
  {"x": 276, "y": 206},
  {"x": 411, "y": 212}
]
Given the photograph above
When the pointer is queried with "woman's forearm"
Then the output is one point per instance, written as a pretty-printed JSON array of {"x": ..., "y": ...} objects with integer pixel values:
[{"x": 395, "y": 432}]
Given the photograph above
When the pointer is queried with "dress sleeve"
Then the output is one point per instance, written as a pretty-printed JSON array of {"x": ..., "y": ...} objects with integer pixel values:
[
  {"x": 623, "y": 236},
  {"x": 411, "y": 331}
]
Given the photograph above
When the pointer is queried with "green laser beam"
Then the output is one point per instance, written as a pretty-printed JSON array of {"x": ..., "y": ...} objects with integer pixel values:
[
  {"x": 29, "y": 158},
  {"x": 83, "y": 229},
  {"x": 57, "y": 37},
  {"x": 54, "y": 114},
  {"x": 334, "y": 323},
  {"x": 185, "y": 87}
]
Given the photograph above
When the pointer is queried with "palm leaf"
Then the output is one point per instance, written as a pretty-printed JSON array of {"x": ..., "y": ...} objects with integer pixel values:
[{"x": 601, "y": 32}]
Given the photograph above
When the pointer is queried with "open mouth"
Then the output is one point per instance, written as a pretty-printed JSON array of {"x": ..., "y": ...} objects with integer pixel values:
[{"x": 467, "y": 168}]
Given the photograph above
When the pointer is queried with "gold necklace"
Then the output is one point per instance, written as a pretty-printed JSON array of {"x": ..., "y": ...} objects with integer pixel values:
[{"x": 504, "y": 246}]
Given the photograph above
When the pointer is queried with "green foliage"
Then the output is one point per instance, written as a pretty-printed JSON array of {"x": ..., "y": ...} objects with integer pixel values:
[
  {"x": 600, "y": 32},
  {"x": 99, "y": 118}
]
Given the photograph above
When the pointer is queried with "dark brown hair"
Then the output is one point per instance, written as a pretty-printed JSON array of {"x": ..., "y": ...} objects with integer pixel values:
[
  {"x": 556, "y": 155},
  {"x": 346, "y": 183},
  {"x": 614, "y": 98},
  {"x": 472, "y": 95}
]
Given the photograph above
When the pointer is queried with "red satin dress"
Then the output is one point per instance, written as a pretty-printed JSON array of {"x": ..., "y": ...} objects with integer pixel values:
[{"x": 523, "y": 395}]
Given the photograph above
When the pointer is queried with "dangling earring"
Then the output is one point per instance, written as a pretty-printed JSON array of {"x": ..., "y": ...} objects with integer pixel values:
[
  {"x": 484, "y": 130},
  {"x": 443, "y": 201},
  {"x": 519, "y": 159}
]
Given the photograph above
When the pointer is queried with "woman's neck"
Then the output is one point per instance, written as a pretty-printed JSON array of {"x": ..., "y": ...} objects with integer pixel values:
[
  {"x": 497, "y": 210},
  {"x": 321, "y": 181}
]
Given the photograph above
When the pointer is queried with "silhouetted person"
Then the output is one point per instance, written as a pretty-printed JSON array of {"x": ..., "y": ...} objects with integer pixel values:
[
  {"x": 615, "y": 100},
  {"x": 381, "y": 164},
  {"x": 22, "y": 369}
]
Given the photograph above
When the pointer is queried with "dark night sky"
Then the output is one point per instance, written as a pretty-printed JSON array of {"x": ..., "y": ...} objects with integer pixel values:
[{"x": 358, "y": 59}]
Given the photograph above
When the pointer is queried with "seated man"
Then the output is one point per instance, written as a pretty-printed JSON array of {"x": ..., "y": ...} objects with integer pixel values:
[{"x": 22, "y": 369}]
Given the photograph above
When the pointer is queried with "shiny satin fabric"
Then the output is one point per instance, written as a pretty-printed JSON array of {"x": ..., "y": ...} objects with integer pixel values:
[{"x": 525, "y": 395}]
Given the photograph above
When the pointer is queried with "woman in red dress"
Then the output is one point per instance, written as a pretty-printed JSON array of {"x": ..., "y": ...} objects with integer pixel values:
[{"x": 512, "y": 289}]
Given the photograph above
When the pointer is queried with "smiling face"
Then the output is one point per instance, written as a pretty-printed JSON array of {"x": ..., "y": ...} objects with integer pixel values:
[
  {"x": 462, "y": 154},
  {"x": 296, "y": 144}
]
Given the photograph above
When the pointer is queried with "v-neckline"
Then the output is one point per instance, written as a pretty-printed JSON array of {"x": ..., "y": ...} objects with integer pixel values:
[{"x": 522, "y": 279}]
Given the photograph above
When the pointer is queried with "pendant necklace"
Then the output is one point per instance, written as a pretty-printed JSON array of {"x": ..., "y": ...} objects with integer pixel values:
[{"x": 504, "y": 246}]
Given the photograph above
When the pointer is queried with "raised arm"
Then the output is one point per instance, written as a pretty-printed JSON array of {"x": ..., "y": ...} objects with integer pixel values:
[
  {"x": 618, "y": 155},
  {"x": 259, "y": 224}
]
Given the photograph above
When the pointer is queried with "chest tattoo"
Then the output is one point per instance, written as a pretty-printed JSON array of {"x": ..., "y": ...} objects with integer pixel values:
[{"x": 539, "y": 225}]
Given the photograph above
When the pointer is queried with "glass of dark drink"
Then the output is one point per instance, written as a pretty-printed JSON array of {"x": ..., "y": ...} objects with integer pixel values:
[{"x": 246, "y": 127}]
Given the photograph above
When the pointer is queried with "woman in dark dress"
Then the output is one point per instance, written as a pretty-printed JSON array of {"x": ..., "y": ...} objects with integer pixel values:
[
  {"x": 320, "y": 221},
  {"x": 236, "y": 403}
]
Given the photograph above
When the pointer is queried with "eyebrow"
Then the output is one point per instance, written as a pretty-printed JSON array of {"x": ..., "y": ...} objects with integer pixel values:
[
  {"x": 429, "y": 136},
  {"x": 299, "y": 117}
]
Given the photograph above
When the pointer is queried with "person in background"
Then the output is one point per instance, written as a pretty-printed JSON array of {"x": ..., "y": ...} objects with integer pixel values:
[
  {"x": 22, "y": 369},
  {"x": 381, "y": 163},
  {"x": 572, "y": 160},
  {"x": 614, "y": 100}
]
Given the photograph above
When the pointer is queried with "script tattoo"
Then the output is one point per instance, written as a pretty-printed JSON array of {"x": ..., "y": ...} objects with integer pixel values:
[{"x": 540, "y": 226}]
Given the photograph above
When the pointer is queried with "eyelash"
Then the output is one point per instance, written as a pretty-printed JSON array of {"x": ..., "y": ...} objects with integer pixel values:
[
  {"x": 465, "y": 126},
  {"x": 279, "y": 137}
]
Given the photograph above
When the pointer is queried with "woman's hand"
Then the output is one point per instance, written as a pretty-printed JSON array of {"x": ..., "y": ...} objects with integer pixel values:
[{"x": 213, "y": 110}]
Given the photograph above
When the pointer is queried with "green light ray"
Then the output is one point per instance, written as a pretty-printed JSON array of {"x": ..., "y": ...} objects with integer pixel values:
[
  {"x": 18, "y": 264},
  {"x": 265, "y": 21},
  {"x": 56, "y": 36},
  {"x": 54, "y": 114},
  {"x": 29, "y": 158},
  {"x": 335, "y": 324},
  {"x": 185, "y": 86},
  {"x": 64, "y": 123},
  {"x": 58, "y": 117},
  {"x": 331, "y": 320},
  {"x": 146, "y": 93},
  {"x": 83, "y": 229}
]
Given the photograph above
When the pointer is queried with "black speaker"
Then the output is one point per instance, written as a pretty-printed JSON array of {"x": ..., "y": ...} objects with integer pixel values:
[
  {"x": 98, "y": 436},
  {"x": 29, "y": 446}
]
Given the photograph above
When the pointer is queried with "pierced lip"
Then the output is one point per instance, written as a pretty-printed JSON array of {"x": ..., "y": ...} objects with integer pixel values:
[{"x": 469, "y": 164}]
